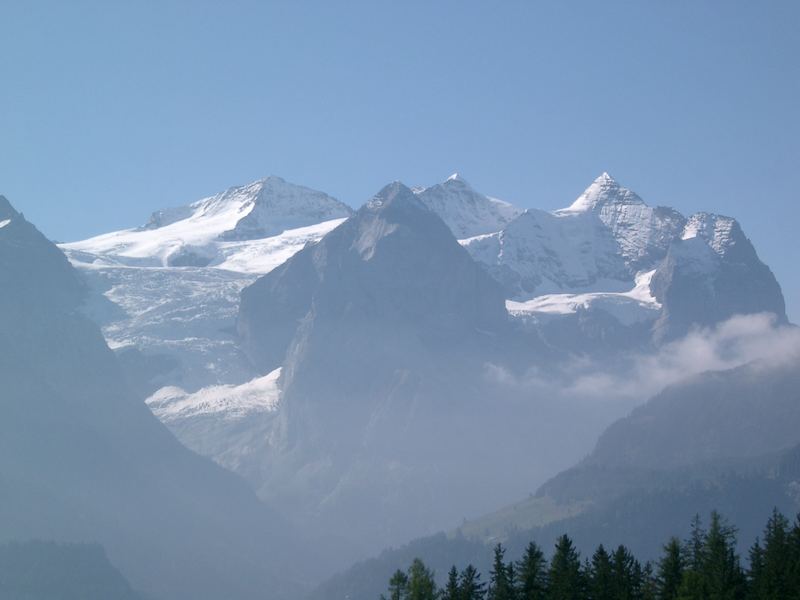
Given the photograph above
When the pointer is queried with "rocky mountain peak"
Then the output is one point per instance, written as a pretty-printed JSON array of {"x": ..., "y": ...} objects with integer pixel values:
[{"x": 603, "y": 191}]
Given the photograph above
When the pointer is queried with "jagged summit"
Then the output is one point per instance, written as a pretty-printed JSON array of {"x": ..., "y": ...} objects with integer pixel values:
[
  {"x": 603, "y": 191},
  {"x": 720, "y": 232},
  {"x": 6, "y": 210},
  {"x": 456, "y": 177},
  {"x": 394, "y": 192}
]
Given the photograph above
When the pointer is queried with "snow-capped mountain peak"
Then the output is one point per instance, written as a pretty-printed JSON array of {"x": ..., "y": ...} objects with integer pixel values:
[
  {"x": 465, "y": 211},
  {"x": 602, "y": 192},
  {"x": 207, "y": 232},
  {"x": 275, "y": 205}
]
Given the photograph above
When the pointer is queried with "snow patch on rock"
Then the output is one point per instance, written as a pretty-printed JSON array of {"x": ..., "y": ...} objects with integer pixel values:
[{"x": 229, "y": 402}]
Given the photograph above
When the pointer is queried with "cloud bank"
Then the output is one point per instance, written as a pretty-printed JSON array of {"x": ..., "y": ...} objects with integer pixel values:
[{"x": 738, "y": 341}]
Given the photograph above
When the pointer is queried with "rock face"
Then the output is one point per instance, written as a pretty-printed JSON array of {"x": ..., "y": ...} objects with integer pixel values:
[
  {"x": 394, "y": 261},
  {"x": 382, "y": 329},
  {"x": 82, "y": 460}
]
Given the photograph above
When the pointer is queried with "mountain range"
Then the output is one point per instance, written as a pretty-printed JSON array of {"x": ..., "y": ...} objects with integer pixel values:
[{"x": 357, "y": 367}]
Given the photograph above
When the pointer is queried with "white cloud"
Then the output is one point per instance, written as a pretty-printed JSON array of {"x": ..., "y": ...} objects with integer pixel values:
[{"x": 738, "y": 341}]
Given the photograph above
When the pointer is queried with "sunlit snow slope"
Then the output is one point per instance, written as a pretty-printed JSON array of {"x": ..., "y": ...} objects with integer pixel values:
[{"x": 168, "y": 292}]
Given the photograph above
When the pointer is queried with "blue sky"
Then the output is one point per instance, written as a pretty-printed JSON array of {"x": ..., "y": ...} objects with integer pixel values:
[{"x": 110, "y": 110}]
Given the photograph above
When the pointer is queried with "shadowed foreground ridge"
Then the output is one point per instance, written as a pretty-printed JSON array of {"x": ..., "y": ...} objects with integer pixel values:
[{"x": 82, "y": 459}]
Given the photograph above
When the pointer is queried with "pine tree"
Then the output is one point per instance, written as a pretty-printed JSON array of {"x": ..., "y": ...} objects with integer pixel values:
[
  {"x": 649, "y": 587},
  {"x": 451, "y": 589},
  {"x": 532, "y": 574},
  {"x": 626, "y": 575},
  {"x": 599, "y": 577},
  {"x": 470, "y": 586},
  {"x": 755, "y": 574},
  {"x": 670, "y": 571},
  {"x": 721, "y": 571},
  {"x": 398, "y": 586},
  {"x": 500, "y": 583},
  {"x": 794, "y": 560},
  {"x": 713, "y": 570},
  {"x": 512, "y": 581},
  {"x": 421, "y": 583},
  {"x": 564, "y": 577},
  {"x": 775, "y": 565},
  {"x": 695, "y": 545},
  {"x": 693, "y": 586}
]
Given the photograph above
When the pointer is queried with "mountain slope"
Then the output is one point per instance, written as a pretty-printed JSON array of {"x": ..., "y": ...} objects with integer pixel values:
[
  {"x": 741, "y": 413},
  {"x": 691, "y": 434},
  {"x": 81, "y": 459}
]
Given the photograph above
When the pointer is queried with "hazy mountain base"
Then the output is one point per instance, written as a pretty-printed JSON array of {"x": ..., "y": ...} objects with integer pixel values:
[
  {"x": 620, "y": 495},
  {"x": 640, "y": 520}
]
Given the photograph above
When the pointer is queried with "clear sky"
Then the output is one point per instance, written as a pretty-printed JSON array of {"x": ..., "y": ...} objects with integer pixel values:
[{"x": 110, "y": 110}]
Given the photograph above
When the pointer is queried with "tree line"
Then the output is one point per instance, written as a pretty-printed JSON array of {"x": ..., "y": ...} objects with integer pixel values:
[{"x": 705, "y": 566}]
